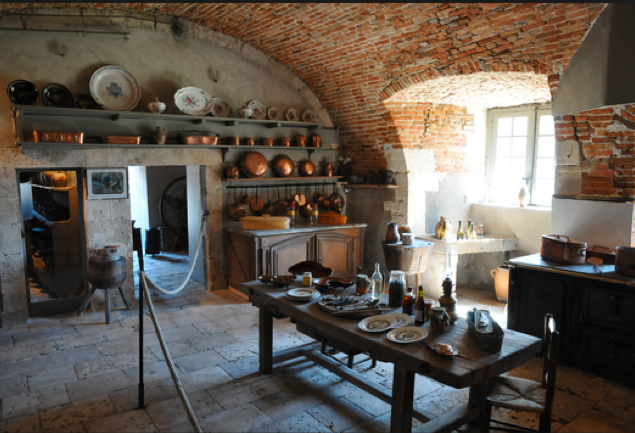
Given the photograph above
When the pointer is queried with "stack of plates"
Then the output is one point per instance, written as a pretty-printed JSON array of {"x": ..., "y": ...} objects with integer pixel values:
[{"x": 303, "y": 294}]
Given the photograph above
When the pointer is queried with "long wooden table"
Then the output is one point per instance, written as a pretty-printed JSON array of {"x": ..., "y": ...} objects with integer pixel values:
[{"x": 471, "y": 369}]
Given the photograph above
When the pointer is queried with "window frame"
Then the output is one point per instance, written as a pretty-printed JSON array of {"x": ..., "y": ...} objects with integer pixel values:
[{"x": 533, "y": 113}]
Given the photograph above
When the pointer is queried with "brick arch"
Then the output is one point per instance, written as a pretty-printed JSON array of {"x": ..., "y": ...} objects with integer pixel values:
[{"x": 538, "y": 67}]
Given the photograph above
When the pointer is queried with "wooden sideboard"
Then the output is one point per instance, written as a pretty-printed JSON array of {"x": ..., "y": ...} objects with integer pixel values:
[
  {"x": 253, "y": 253},
  {"x": 595, "y": 312}
]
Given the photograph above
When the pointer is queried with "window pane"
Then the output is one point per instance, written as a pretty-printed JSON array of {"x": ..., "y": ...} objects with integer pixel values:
[
  {"x": 546, "y": 146},
  {"x": 504, "y": 127},
  {"x": 544, "y": 168},
  {"x": 503, "y": 147},
  {"x": 543, "y": 190},
  {"x": 502, "y": 167},
  {"x": 546, "y": 125},
  {"x": 519, "y": 147},
  {"x": 517, "y": 168},
  {"x": 520, "y": 126}
]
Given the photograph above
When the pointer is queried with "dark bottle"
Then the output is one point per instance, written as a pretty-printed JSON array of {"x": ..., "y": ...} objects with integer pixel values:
[
  {"x": 408, "y": 303},
  {"x": 291, "y": 214},
  {"x": 420, "y": 308}
]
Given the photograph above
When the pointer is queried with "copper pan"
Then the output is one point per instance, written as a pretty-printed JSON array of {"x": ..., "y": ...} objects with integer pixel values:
[
  {"x": 280, "y": 206},
  {"x": 246, "y": 198},
  {"x": 268, "y": 208},
  {"x": 318, "y": 198},
  {"x": 235, "y": 211},
  {"x": 307, "y": 168},
  {"x": 337, "y": 201},
  {"x": 253, "y": 164},
  {"x": 283, "y": 165},
  {"x": 305, "y": 210},
  {"x": 256, "y": 203}
]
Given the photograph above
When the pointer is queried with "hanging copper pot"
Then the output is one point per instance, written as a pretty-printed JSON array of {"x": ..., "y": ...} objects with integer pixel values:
[
  {"x": 337, "y": 202},
  {"x": 267, "y": 209},
  {"x": 307, "y": 168},
  {"x": 235, "y": 211},
  {"x": 257, "y": 203},
  {"x": 305, "y": 210},
  {"x": 247, "y": 199},
  {"x": 280, "y": 206}
]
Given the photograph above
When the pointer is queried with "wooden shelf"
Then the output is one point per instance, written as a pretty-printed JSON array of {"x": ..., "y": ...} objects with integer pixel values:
[
  {"x": 281, "y": 179},
  {"x": 364, "y": 185},
  {"x": 50, "y": 146}
]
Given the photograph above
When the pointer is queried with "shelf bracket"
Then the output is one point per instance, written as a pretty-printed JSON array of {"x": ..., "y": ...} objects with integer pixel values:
[
  {"x": 225, "y": 150},
  {"x": 273, "y": 125},
  {"x": 115, "y": 117},
  {"x": 231, "y": 123},
  {"x": 197, "y": 121},
  {"x": 315, "y": 127},
  {"x": 310, "y": 152}
]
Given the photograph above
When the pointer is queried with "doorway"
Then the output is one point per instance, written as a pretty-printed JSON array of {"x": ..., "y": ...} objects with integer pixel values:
[{"x": 53, "y": 236}]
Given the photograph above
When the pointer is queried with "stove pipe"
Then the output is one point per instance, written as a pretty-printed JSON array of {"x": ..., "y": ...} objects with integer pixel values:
[{"x": 601, "y": 71}]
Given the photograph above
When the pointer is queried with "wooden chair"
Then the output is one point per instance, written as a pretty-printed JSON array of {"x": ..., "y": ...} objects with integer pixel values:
[{"x": 526, "y": 395}]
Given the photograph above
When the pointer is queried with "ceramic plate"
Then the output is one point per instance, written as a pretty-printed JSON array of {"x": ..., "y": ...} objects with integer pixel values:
[
  {"x": 193, "y": 101},
  {"x": 302, "y": 293},
  {"x": 290, "y": 115},
  {"x": 307, "y": 116},
  {"x": 84, "y": 101},
  {"x": 402, "y": 319},
  {"x": 114, "y": 88},
  {"x": 406, "y": 335},
  {"x": 377, "y": 323},
  {"x": 23, "y": 92},
  {"x": 56, "y": 95},
  {"x": 220, "y": 108},
  {"x": 273, "y": 113},
  {"x": 258, "y": 110}
]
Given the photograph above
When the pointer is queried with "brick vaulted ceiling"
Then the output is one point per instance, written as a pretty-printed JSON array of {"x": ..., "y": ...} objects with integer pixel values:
[{"x": 355, "y": 56}]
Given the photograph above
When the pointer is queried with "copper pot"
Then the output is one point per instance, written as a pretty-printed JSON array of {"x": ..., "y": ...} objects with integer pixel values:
[
  {"x": 256, "y": 203},
  {"x": 283, "y": 165},
  {"x": 317, "y": 140},
  {"x": 562, "y": 249},
  {"x": 285, "y": 141},
  {"x": 250, "y": 141},
  {"x": 267, "y": 141},
  {"x": 305, "y": 210},
  {"x": 337, "y": 202},
  {"x": 307, "y": 168},
  {"x": 232, "y": 173},
  {"x": 300, "y": 141},
  {"x": 280, "y": 206},
  {"x": 318, "y": 198},
  {"x": 267, "y": 208},
  {"x": 625, "y": 261},
  {"x": 234, "y": 141},
  {"x": 235, "y": 211},
  {"x": 253, "y": 164}
]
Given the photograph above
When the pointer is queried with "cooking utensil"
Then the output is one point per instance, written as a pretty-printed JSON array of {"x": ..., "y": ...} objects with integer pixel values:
[
  {"x": 316, "y": 269},
  {"x": 283, "y": 165},
  {"x": 563, "y": 249},
  {"x": 268, "y": 208},
  {"x": 625, "y": 261},
  {"x": 326, "y": 203},
  {"x": 207, "y": 138},
  {"x": 58, "y": 137},
  {"x": 253, "y": 164},
  {"x": 257, "y": 203},
  {"x": 280, "y": 206},
  {"x": 605, "y": 253},
  {"x": 595, "y": 262},
  {"x": 235, "y": 211},
  {"x": 337, "y": 201},
  {"x": 305, "y": 210},
  {"x": 307, "y": 168},
  {"x": 319, "y": 198},
  {"x": 121, "y": 139},
  {"x": 247, "y": 199},
  {"x": 300, "y": 199}
]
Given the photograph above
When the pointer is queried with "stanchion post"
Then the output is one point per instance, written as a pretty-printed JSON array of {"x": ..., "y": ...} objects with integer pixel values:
[{"x": 136, "y": 240}]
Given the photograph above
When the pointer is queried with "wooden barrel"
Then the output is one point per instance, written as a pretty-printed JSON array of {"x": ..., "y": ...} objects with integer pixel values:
[{"x": 107, "y": 274}]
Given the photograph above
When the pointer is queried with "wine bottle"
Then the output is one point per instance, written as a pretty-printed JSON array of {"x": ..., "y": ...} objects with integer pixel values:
[
  {"x": 408, "y": 302},
  {"x": 459, "y": 233},
  {"x": 378, "y": 283},
  {"x": 420, "y": 308}
]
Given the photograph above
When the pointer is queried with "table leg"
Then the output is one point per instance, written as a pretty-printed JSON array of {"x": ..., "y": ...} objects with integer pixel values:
[
  {"x": 402, "y": 397},
  {"x": 266, "y": 340},
  {"x": 476, "y": 399}
]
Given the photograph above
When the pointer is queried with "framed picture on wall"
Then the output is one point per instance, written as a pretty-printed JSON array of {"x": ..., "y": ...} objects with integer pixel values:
[{"x": 107, "y": 183}]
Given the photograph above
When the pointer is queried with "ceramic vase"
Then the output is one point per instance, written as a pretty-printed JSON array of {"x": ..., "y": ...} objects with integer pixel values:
[
  {"x": 160, "y": 135},
  {"x": 392, "y": 234},
  {"x": 156, "y": 107},
  {"x": 523, "y": 196}
]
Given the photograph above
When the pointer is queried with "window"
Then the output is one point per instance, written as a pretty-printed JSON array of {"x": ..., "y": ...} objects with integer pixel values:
[{"x": 521, "y": 151}]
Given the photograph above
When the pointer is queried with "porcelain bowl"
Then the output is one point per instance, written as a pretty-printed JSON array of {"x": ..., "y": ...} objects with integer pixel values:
[{"x": 245, "y": 112}]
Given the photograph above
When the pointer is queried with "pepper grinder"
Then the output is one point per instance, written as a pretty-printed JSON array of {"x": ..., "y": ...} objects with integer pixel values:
[{"x": 448, "y": 300}]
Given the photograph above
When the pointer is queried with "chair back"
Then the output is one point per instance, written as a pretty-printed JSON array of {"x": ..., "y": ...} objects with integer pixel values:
[{"x": 550, "y": 347}]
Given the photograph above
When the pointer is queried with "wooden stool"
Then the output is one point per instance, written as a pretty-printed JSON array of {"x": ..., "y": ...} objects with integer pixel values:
[{"x": 106, "y": 275}]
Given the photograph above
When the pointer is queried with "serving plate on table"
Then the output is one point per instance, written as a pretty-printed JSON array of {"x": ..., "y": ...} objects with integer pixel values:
[
  {"x": 407, "y": 335},
  {"x": 114, "y": 88},
  {"x": 302, "y": 294},
  {"x": 377, "y": 323},
  {"x": 402, "y": 319},
  {"x": 333, "y": 282}
]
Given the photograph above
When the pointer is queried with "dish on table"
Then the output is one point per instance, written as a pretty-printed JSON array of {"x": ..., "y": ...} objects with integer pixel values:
[
  {"x": 258, "y": 110},
  {"x": 22, "y": 92},
  {"x": 302, "y": 294},
  {"x": 114, "y": 88},
  {"x": 308, "y": 116},
  {"x": 284, "y": 281},
  {"x": 406, "y": 335},
  {"x": 377, "y": 323},
  {"x": 402, "y": 319},
  {"x": 443, "y": 349},
  {"x": 56, "y": 95},
  {"x": 332, "y": 282},
  {"x": 290, "y": 115},
  {"x": 220, "y": 108},
  {"x": 273, "y": 113},
  {"x": 193, "y": 101},
  {"x": 316, "y": 269}
]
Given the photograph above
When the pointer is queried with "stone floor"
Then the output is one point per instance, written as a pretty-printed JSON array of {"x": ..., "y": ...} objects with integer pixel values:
[{"x": 77, "y": 374}]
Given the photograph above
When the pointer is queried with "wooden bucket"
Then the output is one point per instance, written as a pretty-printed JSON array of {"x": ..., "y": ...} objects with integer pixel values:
[{"x": 107, "y": 274}]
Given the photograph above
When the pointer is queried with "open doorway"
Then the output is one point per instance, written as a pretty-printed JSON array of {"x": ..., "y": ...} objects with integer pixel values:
[
  {"x": 52, "y": 220},
  {"x": 165, "y": 204}
]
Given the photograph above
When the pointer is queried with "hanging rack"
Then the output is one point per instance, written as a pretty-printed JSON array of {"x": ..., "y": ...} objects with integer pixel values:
[{"x": 264, "y": 184}]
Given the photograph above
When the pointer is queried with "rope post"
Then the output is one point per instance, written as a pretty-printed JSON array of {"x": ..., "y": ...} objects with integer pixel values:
[{"x": 137, "y": 241}]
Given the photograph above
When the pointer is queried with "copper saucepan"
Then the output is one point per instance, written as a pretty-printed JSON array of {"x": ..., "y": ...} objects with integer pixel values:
[
  {"x": 280, "y": 206},
  {"x": 318, "y": 197},
  {"x": 257, "y": 203},
  {"x": 305, "y": 210},
  {"x": 268, "y": 208},
  {"x": 235, "y": 211}
]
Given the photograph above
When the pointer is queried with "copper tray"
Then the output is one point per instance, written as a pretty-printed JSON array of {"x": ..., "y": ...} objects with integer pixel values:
[
  {"x": 121, "y": 139},
  {"x": 199, "y": 139},
  {"x": 307, "y": 168},
  {"x": 58, "y": 137},
  {"x": 253, "y": 164},
  {"x": 283, "y": 165}
]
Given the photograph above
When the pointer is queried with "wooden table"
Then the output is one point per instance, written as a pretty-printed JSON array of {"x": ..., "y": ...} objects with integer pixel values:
[{"x": 471, "y": 369}]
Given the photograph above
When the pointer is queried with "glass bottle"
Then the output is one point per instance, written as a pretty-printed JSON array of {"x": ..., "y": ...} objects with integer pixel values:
[
  {"x": 291, "y": 214},
  {"x": 420, "y": 308},
  {"x": 442, "y": 232},
  {"x": 378, "y": 283},
  {"x": 396, "y": 288},
  {"x": 470, "y": 230},
  {"x": 408, "y": 303},
  {"x": 459, "y": 233}
]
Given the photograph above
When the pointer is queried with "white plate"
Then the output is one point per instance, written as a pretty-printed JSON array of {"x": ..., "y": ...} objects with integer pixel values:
[
  {"x": 302, "y": 293},
  {"x": 308, "y": 116},
  {"x": 402, "y": 319},
  {"x": 377, "y": 323},
  {"x": 273, "y": 113},
  {"x": 290, "y": 115},
  {"x": 220, "y": 108},
  {"x": 315, "y": 295},
  {"x": 114, "y": 88},
  {"x": 193, "y": 101},
  {"x": 406, "y": 335},
  {"x": 258, "y": 110}
]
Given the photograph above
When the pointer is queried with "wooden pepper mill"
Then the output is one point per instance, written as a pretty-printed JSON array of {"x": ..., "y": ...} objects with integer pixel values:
[{"x": 448, "y": 300}]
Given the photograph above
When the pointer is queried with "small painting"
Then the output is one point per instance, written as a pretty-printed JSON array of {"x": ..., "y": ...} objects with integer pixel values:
[{"x": 107, "y": 183}]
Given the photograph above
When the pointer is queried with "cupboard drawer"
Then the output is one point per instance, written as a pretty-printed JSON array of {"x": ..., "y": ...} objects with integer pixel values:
[
  {"x": 612, "y": 308},
  {"x": 607, "y": 348}
]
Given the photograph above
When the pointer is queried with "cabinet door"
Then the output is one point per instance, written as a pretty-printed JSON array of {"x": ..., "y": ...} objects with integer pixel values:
[
  {"x": 338, "y": 252},
  {"x": 280, "y": 256}
]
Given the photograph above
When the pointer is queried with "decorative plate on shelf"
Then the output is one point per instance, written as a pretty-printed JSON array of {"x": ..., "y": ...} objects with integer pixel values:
[
  {"x": 114, "y": 88},
  {"x": 273, "y": 113},
  {"x": 308, "y": 116},
  {"x": 193, "y": 101},
  {"x": 290, "y": 115},
  {"x": 85, "y": 102},
  {"x": 258, "y": 110},
  {"x": 402, "y": 319},
  {"x": 406, "y": 335},
  {"x": 56, "y": 95},
  {"x": 377, "y": 323},
  {"x": 220, "y": 108},
  {"x": 22, "y": 92}
]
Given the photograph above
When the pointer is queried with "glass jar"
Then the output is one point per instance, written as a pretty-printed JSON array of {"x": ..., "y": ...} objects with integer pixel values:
[
  {"x": 396, "y": 288},
  {"x": 439, "y": 319}
]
